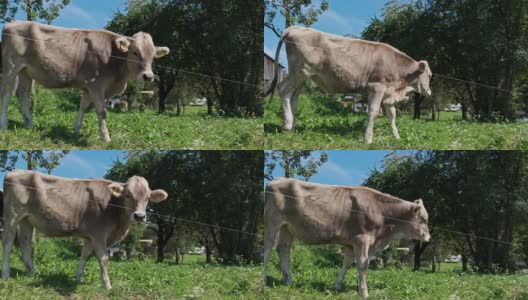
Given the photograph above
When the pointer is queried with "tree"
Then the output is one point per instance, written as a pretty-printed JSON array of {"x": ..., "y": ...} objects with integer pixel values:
[
  {"x": 215, "y": 199},
  {"x": 294, "y": 163},
  {"x": 35, "y": 9},
  {"x": 204, "y": 51},
  {"x": 35, "y": 159},
  {"x": 294, "y": 12}
]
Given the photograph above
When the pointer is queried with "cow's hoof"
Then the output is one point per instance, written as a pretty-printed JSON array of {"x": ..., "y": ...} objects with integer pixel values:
[
  {"x": 107, "y": 286},
  {"x": 364, "y": 293},
  {"x": 107, "y": 139},
  {"x": 337, "y": 287}
]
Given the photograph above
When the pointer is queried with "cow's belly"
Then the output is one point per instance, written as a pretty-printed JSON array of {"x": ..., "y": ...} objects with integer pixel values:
[
  {"x": 338, "y": 83},
  {"x": 53, "y": 227}
]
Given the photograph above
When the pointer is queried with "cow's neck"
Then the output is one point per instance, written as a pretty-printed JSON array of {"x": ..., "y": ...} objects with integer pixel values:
[
  {"x": 392, "y": 227},
  {"x": 121, "y": 222}
]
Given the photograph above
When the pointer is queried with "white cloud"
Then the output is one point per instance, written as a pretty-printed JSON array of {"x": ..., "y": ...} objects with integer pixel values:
[
  {"x": 74, "y": 161},
  {"x": 334, "y": 170},
  {"x": 75, "y": 12}
]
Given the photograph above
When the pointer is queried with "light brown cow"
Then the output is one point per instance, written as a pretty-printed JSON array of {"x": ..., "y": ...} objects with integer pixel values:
[
  {"x": 98, "y": 211},
  {"x": 98, "y": 62},
  {"x": 344, "y": 65},
  {"x": 361, "y": 219}
]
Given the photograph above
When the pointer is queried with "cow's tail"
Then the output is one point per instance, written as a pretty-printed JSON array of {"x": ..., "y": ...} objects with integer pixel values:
[{"x": 275, "y": 81}]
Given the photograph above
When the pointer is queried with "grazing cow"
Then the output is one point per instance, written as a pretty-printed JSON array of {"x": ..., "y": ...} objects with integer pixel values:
[
  {"x": 343, "y": 65},
  {"x": 361, "y": 219},
  {"x": 98, "y": 211},
  {"x": 98, "y": 62}
]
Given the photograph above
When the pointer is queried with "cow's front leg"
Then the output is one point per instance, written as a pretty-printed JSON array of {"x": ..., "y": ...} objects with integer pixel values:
[
  {"x": 362, "y": 265},
  {"x": 102, "y": 258},
  {"x": 85, "y": 253},
  {"x": 390, "y": 110},
  {"x": 83, "y": 106},
  {"x": 373, "y": 111},
  {"x": 6, "y": 89},
  {"x": 100, "y": 108},
  {"x": 348, "y": 260}
]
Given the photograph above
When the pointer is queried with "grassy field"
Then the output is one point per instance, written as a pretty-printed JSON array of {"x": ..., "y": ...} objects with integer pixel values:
[
  {"x": 322, "y": 124},
  {"x": 55, "y": 112},
  {"x": 56, "y": 263},
  {"x": 314, "y": 270}
]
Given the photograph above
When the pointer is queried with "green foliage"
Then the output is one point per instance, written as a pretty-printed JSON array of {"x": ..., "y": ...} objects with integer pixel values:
[
  {"x": 35, "y": 159},
  {"x": 302, "y": 12},
  {"x": 322, "y": 124},
  {"x": 55, "y": 113},
  {"x": 35, "y": 9},
  {"x": 476, "y": 193},
  {"x": 204, "y": 52},
  {"x": 219, "y": 188},
  {"x": 295, "y": 163}
]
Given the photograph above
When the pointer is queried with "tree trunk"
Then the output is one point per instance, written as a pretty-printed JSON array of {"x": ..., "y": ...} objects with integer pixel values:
[
  {"x": 418, "y": 99},
  {"x": 178, "y": 107},
  {"x": 464, "y": 263},
  {"x": 433, "y": 112},
  {"x": 29, "y": 9},
  {"x": 209, "y": 105},
  {"x": 208, "y": 254},
  {"x": 161, "y": 243},
  {"x": 177, "y": 256},
  {"x": 434, "y": 265},
  {"x": 419, "y": 248},
  {"x": 464, "y": 112}
]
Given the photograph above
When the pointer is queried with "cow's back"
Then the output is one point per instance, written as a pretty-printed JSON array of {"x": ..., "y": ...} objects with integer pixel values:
[
  {"x": 60, "y": 57},
  {"x": 55, "y": 205},
  {"x": 342, "y": 64},
  {"x": 316, "y": 213}
]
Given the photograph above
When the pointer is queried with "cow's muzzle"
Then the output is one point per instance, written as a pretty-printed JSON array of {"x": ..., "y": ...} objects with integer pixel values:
[
  {"x": 140, "y": 217},
  {"x": 148, "y": 76}
]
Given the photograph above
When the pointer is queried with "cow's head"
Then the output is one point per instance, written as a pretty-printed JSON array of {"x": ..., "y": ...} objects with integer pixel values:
[
  {"x": 136, "y": 195},
  {"x": 140, "y": 52},
  {"x": 420, "y": 78},
  {"x": 418, "y": 222}
]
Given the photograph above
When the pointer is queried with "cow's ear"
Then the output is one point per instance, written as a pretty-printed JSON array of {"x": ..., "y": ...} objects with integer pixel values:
[
  {"x": 422, "y": 66},
  {"x": 116, "y": 189},
  {"x": 419, "y": 202},
  {"x": 122, "y": 43},
  {"x": 158, "y": 196},
  {"x": 161, "y": 51}
]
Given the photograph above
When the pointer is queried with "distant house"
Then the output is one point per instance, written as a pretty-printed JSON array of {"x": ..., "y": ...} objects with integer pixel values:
[
  {"x": 269, "y": 71},
  {"x": 454, "y": 107}
]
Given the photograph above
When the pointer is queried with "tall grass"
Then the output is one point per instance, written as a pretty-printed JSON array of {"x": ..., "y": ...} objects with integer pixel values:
[
  {"x": 55, "y": 112},
  {"x": 323, "y": 124}
]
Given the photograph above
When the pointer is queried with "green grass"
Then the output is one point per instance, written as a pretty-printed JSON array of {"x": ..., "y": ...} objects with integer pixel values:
[
  {"x": 55, "y": 112},
  {"x": 322, "y": 124},
  {"x": 314, "y": 271},
  {"x": 313, "y": 268},
  {"x": 56, "y": 262}
]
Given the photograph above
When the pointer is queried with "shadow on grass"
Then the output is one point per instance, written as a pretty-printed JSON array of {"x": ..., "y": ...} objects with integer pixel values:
[
  {"x": 272, "y": 282},
  {"x": 357, "y": 128},
  {"x": 11, "y": 124},
  {"x": 61, "y": 133},
  {"x": 329, "y": 286},
  {"x": 272, "y": 128},
  {"x": 62, "y": 283}
]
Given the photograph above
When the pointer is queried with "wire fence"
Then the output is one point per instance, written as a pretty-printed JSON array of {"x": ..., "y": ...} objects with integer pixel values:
[{"x": 173, "y": 219}]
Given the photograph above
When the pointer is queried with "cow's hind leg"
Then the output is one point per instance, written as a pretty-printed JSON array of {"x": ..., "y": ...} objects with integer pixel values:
[
  {"x": 8, "y": 239},
  {"x": 348, "y": 260},
  {"x": 390, "y": 110},
  {"x": 7, "y": 86},
  {"x": 23, "y": 92},
  {"x": 83, "y": 106},
  {"x": 373, "y": 111},
  {"x": 102, "y": 258},
  {"x": 100, "y": 109},
  {"x": 25, "y": 238},
  {"x": 271, "y": 229},
  {"x": 287, "y": 91},
  {"x": 85, "y": 253},
  {"x": 362, "y": 265},
  {"x": 283, "y": 250}
]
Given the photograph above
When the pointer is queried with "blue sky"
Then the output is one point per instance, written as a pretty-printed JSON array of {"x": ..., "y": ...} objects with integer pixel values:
[
  {"x": 347, "y": 167},
  {"x": 82, "y": 164},
  {"x": 85, "y": 13},
  {"x": 342, "y": 17}
]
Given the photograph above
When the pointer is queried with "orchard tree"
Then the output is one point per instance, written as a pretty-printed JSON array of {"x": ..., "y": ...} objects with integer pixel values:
[
  {"x": 302, "y": 12},
  {"x": 294, "y": 163},
  {"x": 35, "y": 10}
]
